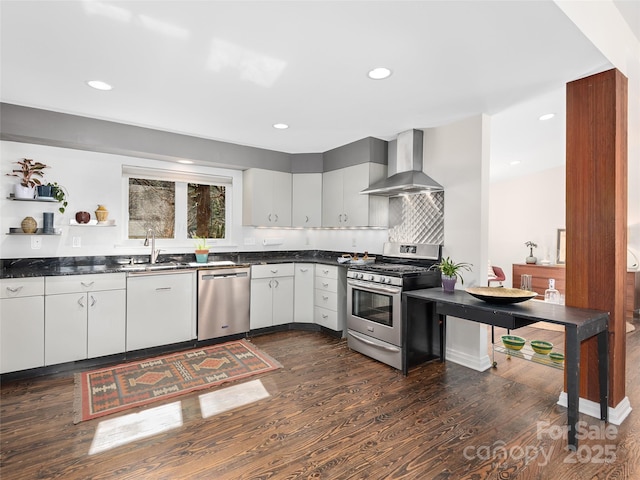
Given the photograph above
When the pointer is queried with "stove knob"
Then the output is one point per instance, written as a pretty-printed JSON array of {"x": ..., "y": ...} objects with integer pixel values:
[
  {"x": 360, "y": 276},
  {"x": 370, "y": 278}
]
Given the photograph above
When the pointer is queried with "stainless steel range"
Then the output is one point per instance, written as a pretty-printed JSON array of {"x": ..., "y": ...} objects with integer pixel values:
[{"x": 374, "y": 303}]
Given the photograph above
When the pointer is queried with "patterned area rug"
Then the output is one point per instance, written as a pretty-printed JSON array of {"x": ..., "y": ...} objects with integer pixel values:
[{"x": 109, "y": 390}]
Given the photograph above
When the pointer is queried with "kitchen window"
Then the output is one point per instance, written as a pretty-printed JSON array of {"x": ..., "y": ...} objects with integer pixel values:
[{"x": 176, "y": 205}]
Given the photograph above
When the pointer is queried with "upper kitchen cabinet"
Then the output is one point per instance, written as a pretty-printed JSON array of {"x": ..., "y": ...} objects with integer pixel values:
[
  {"x": 349, "y": 169},
  {"x": 342, "y": 203},
  {"x": 307, "y": 200},
  {"x": 266, "y": 198}
]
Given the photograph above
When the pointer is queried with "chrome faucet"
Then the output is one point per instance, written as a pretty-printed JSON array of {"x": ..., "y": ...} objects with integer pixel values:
[{"x": 154, "y": 252}]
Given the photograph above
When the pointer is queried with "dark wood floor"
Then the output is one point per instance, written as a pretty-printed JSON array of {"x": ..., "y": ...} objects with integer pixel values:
[{"x": 334, "y": 414}]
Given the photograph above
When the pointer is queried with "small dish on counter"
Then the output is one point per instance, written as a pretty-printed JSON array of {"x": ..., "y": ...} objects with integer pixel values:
[
  {"x": 541, "y": 347},
  {"x": 513, "y": 342}
]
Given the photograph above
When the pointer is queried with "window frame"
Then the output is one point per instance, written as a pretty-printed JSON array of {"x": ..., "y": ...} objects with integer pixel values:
[{"x": 181, "y": 179}]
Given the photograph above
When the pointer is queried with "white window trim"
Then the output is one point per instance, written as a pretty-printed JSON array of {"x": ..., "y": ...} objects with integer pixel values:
[{"x": 182, "y": 176}]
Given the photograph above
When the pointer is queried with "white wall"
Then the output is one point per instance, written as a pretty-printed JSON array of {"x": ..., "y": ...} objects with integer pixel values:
[
  {"x": 93, "y": 178},
  {"x": 526, "y": 208},
  {"x": 457, "y": 156}
]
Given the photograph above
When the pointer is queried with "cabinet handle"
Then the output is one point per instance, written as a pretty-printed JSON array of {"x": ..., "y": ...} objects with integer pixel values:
[
  {"x": 162, "y": 288},
  {"x": 81, "y": 301},
  {"x": 325, "y": 298},
  {"x": 340, "y": 218},
  {"x": 303, "y": 270},
  {"x": 346, "y": 217},
  {"x": 306, "y": 219},
  {"x": 93, "y": 300},
  {"x": 276, "y": 218},
  {"x": 325, "y": 284},
  {"x": 14, "y": 290},
  {"x": 324, "y": 315},
  {"x": 87, "y": 285},
  {"x": 274, "y": 271},
  {"x": 277, "y": 283},
  {"x": 326, "y": 272},
  {"x": 269, "y": 217}
]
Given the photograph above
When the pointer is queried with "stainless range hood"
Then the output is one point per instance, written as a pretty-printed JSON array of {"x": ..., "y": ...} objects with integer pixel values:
[{"x": 409, "y": 177}]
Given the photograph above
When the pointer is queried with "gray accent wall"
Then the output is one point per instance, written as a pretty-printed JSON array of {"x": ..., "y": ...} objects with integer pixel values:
[{"x": 44, "y": 127}]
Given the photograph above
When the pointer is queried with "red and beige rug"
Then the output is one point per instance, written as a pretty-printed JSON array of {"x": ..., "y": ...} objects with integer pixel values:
[{"x": 109, "y": 390}]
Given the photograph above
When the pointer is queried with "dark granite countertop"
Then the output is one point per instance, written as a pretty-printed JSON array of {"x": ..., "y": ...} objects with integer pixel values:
[{"x": 56, "y": 266}]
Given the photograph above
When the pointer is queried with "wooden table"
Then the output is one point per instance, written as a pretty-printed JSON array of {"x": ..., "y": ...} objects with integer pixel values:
[{"x": 579, "y": 324}]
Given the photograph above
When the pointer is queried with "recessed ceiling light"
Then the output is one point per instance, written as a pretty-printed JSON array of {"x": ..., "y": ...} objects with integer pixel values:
[
  {"x": 379, "y": 73},
  {"x": 186, "y": 162},
  {"x": 280, "y": 126},
  {"x": 547, "y": 116},
  {"x": 99, "y": 85},
  {"x": 514, "y": 162}
]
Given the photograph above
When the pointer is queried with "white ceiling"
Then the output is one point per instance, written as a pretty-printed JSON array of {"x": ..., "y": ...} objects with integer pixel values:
[{"x": 229, "y": 70}]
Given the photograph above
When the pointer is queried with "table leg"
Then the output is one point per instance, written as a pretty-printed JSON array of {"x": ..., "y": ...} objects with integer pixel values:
[
  {"x": 572, "y": 365},
  {"x": 603, "y": 371},
  {"x": 443, "y": 336}
]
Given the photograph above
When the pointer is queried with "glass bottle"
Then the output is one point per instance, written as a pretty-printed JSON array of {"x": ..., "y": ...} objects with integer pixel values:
[{"x": 552, "y": 295}]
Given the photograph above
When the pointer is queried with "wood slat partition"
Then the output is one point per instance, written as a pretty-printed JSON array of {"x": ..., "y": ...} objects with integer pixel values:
[{"x": 596, "y": 216}]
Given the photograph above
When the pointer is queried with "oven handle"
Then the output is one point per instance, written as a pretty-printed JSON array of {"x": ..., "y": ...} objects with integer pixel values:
[
  {"x": 374, "y": 287},
  {"x": 373, "y": 344}
]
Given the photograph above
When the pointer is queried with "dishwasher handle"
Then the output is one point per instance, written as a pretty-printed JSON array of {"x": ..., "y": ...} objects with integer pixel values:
[{"x": 213, "y": 276}]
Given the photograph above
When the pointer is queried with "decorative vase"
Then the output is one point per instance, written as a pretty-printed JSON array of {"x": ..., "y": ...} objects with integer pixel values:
[
  {"x": 83, "y": 217},
  {"x": 102, "y": 213},
  {"x": 21, "y": 191},
  {"x": 47, "y": 222},
  {"x": 531, "y": 259},
  {"x": 202, "y": 256},
  {"x": 449, "y": 283},
  {"x": 29, "y": 225},
  {"x": 45, "y": 191}
]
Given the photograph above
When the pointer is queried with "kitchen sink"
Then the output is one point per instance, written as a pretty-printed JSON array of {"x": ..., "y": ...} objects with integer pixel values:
[{"x": 142, "y": 267}]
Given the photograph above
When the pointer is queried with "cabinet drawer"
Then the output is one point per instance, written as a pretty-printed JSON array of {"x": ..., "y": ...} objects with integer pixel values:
[
  {"x": 327, "y": 284},
  {"x": 326, "y": 271},
  {"x": 85, "y": 283},
  {"x": 326, "y": 299},
  {"x": 21, "y": 287},
  {"x": 273, "y": 270},
  {"x": 325, "y": 317}
]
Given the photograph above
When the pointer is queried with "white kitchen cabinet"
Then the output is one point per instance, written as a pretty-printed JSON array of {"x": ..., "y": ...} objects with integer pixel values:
[
  {"x": 342, "y": 203},
  {"x": 272, "y": 295},
  {"x": 330, "y": 300},
  {"x": 21, "y": 323},
  {"x": 266, "y": 198},
  {"x": 304, "y": 293},
  {"x": 307, "y": 200},
  {"x": 161, "y": 309},
  {"x": 85, "y": 316}
]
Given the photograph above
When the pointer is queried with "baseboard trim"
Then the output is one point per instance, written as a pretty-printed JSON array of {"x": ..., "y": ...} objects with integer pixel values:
[
  {"x": 480, "y": 364},
  {"x": 617, "y": 414}
]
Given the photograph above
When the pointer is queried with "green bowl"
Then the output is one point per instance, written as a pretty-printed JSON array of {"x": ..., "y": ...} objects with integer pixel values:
[
  {"x": 556, "y": 357},
  {"x": 541, "y": 347},
  {"x": 513, "y": 342}
]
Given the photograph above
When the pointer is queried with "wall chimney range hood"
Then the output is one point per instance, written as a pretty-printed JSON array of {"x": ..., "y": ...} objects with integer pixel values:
[{"x": 409, "y": 177}]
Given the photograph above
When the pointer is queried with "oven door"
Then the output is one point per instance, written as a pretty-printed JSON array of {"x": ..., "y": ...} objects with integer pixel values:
[{"x": 375, "y": 310}]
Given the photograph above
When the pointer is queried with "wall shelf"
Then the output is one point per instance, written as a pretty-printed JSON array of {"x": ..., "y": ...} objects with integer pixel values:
[
  {"x": 93, "y": 223},
  {"x": 18, "y": 231},
  {"x": 37, "y": 199}
]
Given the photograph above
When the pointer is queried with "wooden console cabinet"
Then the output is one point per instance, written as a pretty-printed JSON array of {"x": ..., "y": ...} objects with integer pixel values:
[{"x": 540, "y": 275}]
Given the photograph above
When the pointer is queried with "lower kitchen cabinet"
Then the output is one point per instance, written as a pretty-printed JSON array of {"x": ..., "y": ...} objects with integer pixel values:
[
  {"x": 161, "y": 309},
  {"x": 303, "y": 293},
  {"x": 21, "y": 323},
  {"x": 272, "y": 291},
  {"x": 84, "y": 317},
  {"x": 330, "y": 302}
]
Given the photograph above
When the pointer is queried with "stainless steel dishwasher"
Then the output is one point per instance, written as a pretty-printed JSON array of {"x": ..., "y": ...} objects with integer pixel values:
[{"x": 223, "y": 302}]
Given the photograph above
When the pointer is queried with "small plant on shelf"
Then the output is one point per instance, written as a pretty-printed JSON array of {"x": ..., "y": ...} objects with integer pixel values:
[
  {"x": 531, "y": 259},
  {"x": 60, "y": 194},
  {"x": 29, "y": 171}
]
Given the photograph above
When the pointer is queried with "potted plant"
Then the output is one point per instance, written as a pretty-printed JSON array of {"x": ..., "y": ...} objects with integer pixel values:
[
  {"x": 451, "y": 271},
  {"x": 202, "y": 250},
  {"x": 60, "y": 194},
  {"x": 531, "y": 259},
  {"x": 30, "y": 173}
]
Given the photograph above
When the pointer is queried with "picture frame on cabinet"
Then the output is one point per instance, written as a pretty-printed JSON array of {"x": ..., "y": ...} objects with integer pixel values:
[{"x": 562, "y": 245}]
